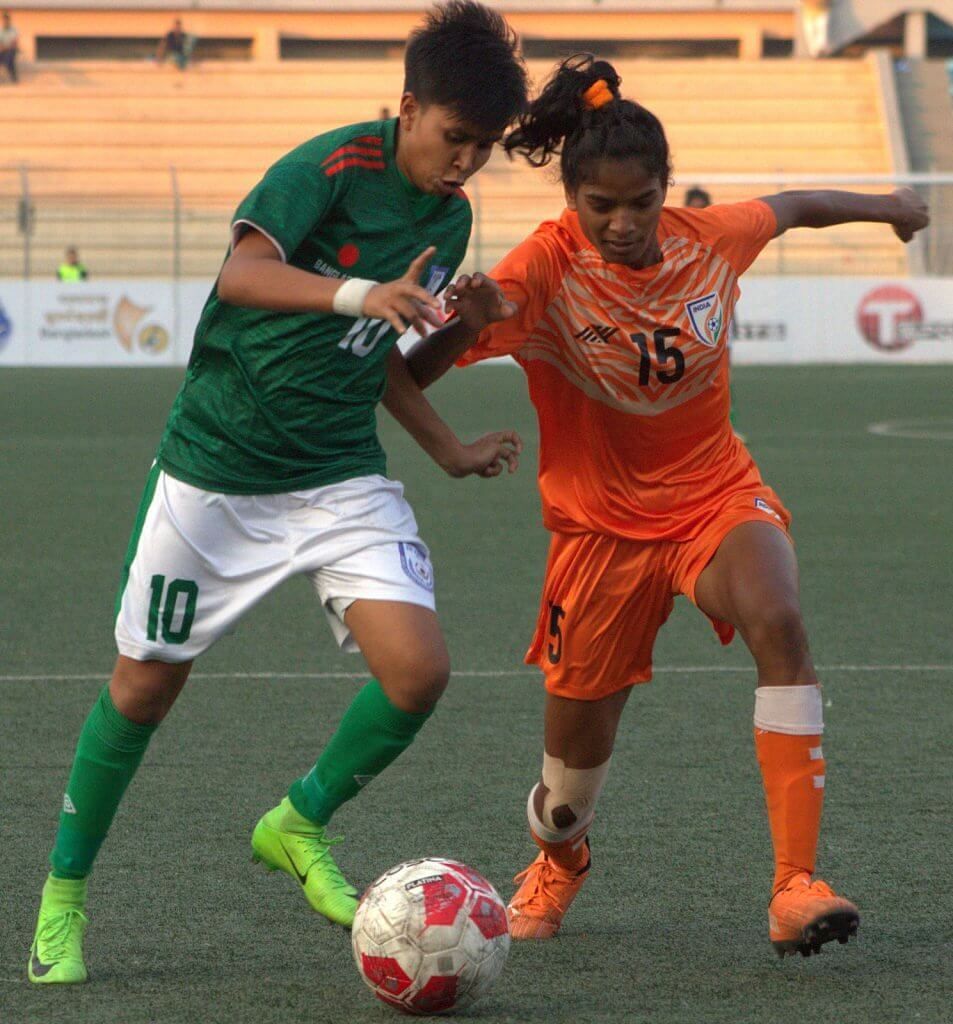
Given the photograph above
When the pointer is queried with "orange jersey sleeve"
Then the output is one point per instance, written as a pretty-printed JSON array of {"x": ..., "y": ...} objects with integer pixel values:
[
  {"x": 530, "y": 276},
  {"x": 738, "y": 231}
]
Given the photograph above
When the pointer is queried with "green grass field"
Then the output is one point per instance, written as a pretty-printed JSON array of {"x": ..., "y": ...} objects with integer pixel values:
[{"x": 672, "y": 925}]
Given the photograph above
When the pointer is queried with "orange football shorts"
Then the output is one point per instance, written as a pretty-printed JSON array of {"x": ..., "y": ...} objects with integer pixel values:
[{"x": 605, "y": 598}]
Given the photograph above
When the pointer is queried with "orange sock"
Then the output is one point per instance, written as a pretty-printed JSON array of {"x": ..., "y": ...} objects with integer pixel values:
[
  {"x": 569, "y": 854},
  {"x": 792, "y": 769}
]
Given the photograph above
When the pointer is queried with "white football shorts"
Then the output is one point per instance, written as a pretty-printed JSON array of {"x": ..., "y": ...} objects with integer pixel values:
[{"x": 199, "y": 560}]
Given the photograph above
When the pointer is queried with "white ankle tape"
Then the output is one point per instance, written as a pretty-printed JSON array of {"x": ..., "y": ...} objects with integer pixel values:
[
  {"x": 546, "y": 830},
  {"x": 574, "y": 789},
  {"x": 793, "y": 710}
]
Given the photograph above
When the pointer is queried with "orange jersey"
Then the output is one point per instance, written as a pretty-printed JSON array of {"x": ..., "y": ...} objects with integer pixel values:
[{"x": 628, "y": 370}]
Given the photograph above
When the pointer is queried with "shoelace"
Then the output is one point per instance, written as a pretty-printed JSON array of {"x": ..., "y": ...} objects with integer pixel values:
[
  {"x": 54, "y": 936},
  {"x": 815, "y": 888},
  {"x": 542, "y": 895},
  {"x": 319, "y": 845}
]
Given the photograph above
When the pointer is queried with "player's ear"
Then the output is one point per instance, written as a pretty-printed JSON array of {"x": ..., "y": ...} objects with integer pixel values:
[{"x": 410, "y": 110}]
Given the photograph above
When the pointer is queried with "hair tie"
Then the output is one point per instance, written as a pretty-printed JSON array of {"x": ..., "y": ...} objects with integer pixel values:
[{"x": 597, "y": 95}]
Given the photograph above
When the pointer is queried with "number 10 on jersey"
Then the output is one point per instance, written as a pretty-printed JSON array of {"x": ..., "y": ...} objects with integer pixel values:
[{"x": 361, "y": 330}]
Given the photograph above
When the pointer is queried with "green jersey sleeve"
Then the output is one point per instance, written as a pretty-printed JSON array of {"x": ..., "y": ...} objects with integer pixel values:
[{"x": 286, "y": 205}]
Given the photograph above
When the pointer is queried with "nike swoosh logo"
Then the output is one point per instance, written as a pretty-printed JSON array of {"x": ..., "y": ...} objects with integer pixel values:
[
  {"x": 301, "y": 878},
  {"x": 38, "y": 967}
]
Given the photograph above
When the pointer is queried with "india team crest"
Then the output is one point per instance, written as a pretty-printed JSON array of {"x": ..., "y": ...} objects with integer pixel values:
[{"x": 706, "y": 317}]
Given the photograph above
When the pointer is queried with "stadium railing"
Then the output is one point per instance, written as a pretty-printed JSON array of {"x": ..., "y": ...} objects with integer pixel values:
[{"x": 173, "y": 236}]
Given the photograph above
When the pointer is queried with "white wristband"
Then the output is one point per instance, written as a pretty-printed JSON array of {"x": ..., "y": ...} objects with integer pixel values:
[{"x": 349, "y": 298}]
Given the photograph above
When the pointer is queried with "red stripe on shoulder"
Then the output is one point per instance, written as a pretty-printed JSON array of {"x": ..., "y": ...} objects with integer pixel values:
[
  {"x": 376, "y": 139},
  {"x": 367, "y": 163},
  {"x": 342, "y": 151}
]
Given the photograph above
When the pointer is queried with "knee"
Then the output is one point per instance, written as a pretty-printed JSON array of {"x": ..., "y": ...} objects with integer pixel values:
[
  {"x": 418, "y": 681},
  {"x": 144, "y": 691},
  {"x": 777, "y": 628}
]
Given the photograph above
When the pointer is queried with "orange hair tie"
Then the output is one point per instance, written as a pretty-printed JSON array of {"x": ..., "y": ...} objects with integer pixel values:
[{"x": 598, "y": 95}]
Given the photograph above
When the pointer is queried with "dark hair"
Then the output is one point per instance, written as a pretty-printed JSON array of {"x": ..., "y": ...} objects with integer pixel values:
[
  {"x": 559, "y": 121},
  {"x": 464, "y": 56},
  {"x": 697, "y": 193}
]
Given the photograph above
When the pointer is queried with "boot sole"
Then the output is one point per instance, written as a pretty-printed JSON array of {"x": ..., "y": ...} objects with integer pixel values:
[{"x": 839, "y": 924}]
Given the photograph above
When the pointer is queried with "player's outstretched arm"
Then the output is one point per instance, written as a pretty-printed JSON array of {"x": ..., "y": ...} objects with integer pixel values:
[
  {"x": 254, "y": 275},
  {"x": 902, "y": 209},
  {"x": 477, "y": 301},
  {"x": 486, "y": 456}
]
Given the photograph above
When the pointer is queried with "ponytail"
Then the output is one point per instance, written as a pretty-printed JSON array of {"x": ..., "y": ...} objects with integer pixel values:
[{"x": 581, "y": 115}]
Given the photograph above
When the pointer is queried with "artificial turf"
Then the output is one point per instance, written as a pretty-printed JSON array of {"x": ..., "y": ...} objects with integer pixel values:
[{"x": 671, "y": 928}]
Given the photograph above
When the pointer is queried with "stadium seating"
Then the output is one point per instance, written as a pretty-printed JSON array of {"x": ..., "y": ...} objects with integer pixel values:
[{"x": 100, "y": 139}]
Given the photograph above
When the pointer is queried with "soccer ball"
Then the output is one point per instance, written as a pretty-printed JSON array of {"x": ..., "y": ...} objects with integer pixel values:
[{"x": 430, "y": 936}]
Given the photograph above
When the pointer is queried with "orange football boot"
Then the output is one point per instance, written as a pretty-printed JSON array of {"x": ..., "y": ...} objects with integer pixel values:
[
  {"x": 545, "y": 894},
  {"x": 805, "y": 915}
]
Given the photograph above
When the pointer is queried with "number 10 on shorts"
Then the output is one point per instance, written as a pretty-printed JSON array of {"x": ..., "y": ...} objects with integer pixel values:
[{"x": 177, "y": 599}]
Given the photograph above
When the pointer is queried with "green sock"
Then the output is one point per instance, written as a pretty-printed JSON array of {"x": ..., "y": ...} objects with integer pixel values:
[
  {"x": 108, "y": 753},
  {"x": 372, "y": 733}
]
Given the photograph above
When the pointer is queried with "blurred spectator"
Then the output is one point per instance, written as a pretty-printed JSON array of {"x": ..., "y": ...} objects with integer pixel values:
[
  {"x": 697, "y": 197},
  {"x": 177, "y": 44},
  {"x": 815, "y": 18},
  {"x": 8, "y": 46},
  {"x": 383, "y": 114},
  {"x": 71, "y": 269}
]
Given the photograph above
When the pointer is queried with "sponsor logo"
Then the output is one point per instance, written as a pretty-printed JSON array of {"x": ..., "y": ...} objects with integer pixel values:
[
  {"x": 68, "y": 806},
  {"x": 597, "y": 334},
  {"x": 38, "y": 967},
  {"x": 133, "y": 333},
  {"x": 153, "y": 338},
  {"x": 6, "y": 327},
  {"x": 90, "y": 316},
  {"x": 891, "y": 318},
  {"x": 885, "y": 314},
  {"x": 758, "y": 330},
  {"x": 416, "y": 564},
  {"x": 294, "y": 867},
  {"x": 426, "y": 880},
  {"x": 707, "y": 318},
  {"x": 762, "y": 506}
]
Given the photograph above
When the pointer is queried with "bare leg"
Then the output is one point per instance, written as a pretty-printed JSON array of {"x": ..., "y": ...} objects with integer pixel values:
[
  {"x": 752, "y": 582},
  {"x": 144, "y": 691},
  {"x": 404, "y": 649}
]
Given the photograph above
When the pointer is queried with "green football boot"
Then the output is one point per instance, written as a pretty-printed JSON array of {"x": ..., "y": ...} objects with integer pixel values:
[
  {"x": 56, "y": 956},
  {"x": 284, "y": 841}
]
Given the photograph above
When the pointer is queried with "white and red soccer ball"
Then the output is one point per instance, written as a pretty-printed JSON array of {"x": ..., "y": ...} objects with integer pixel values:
[{"x": 430, "y": 936}]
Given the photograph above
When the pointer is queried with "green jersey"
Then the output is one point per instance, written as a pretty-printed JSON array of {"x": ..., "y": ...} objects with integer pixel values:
[{"x": 277, "y": 402}]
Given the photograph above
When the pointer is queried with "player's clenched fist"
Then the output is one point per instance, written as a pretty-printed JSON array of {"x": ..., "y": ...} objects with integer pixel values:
[
  {"x": 910, "y": 215},
  {"x": 486, "y": 456},
  {"x": 403, "y": 302}
]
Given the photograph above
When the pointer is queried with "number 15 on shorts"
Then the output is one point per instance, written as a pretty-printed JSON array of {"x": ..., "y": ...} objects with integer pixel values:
[{"x": 555, "y": 650}]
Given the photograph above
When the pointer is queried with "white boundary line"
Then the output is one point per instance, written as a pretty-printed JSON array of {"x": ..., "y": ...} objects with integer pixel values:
[
  {"x": 939, "y": 429},
  {"x": 476, "y": 673}
]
